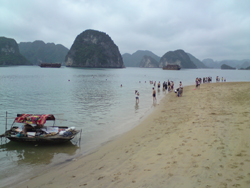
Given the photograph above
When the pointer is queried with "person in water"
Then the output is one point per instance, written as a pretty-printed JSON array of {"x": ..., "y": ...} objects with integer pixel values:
[
  {"x": 154, "y": 97},
  {"x": 137, "y": 96}
]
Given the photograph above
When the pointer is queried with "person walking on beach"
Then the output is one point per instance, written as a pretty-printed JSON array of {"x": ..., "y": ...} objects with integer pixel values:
[
  {"x": 137, "y": 96},
  {"x": 154, "y": 97}
]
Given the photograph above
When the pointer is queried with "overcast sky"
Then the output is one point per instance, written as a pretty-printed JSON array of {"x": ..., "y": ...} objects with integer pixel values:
[{"x": 217, "y": 29}]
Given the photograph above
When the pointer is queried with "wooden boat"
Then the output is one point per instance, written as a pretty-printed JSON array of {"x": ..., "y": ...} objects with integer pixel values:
[
  {"x": 31, "y": 129},
  {"x": 50, "y": 65},
  {"x": 171, "y": 67}
]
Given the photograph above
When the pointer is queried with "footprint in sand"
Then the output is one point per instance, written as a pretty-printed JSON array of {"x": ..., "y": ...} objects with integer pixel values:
[
  {"x": 198, "y": 155},
  {"x": 83, "y": 184},
  {"x": 220, "y": 147},
  {"x": 223, "y": 185},
  {"x": 240, "y": 177},
  {"x": 236, "y": 185},
  {"x": 233, "y": 166},
  {"x": 170, "y": 175},
  {"x": 101, "y": 177}
]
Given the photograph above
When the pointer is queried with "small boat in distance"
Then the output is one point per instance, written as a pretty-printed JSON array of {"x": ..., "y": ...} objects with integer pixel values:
[
  {"x": 171, "y": 67},
  {"x": 50, "y": 65},
  {"x": 31, "y": 129}
]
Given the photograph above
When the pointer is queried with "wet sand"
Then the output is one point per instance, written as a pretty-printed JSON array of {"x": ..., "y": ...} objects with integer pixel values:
[{"x": 198, "y": 140}]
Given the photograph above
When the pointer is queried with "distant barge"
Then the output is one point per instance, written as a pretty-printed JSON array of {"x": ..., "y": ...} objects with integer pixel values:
[
  {"x": 50, "y": 65},
  {"x": 171, "y": 67}
]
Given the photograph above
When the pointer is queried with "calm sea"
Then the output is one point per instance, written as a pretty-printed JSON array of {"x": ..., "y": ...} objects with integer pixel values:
[{"x": 89, "y": 99}]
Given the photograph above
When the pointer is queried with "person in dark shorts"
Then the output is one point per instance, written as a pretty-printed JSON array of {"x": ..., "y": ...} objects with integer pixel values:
[
  {"x": 137, "y": 96},
  {"x": 154, "y": 95}
]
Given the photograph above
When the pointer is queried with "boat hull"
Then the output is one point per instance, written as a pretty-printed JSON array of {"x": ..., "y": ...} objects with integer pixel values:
[
  {"x": 171, "y": 67},
  {"x": 50, "y": 65},
  {"x": 38, "y": 139}
]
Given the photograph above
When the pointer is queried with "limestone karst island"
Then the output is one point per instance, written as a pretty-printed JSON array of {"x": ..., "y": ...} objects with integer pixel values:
[{"x": 94, "y": 49}]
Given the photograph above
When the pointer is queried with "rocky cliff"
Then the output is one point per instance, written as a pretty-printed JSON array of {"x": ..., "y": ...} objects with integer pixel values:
[
  {"x": 149, "y": 62},
  {"x": 9, "y": 53},
  {"x": 94, "y": 49},
  {"x": 196, "y": 61},
  {"x": 178, "y": 57},
  {"x": 38, "y": 52}
]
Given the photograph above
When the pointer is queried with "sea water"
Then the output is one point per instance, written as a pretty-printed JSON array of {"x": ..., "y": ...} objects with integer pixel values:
[{"x": 100, "y": 102}]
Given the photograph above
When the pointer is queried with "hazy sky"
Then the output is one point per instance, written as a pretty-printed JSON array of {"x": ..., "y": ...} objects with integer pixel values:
[{"x": 217, "y": 29}]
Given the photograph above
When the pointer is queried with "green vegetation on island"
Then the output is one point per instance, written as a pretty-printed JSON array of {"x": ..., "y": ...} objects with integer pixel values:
[
  {"x": 38, "y": 52},
  {"x": 224, "y": 66},
  {"x": 9, "y": 53}
]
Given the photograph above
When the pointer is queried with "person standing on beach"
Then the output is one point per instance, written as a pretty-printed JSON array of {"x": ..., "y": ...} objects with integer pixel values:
[
  {"x": 196, "y": 82},
  {"x": 172, "y": 85},
  {"x": 154, "y": 97},
  {"x": 181, "y": 89},
  {"x": 169, "y": 86}
]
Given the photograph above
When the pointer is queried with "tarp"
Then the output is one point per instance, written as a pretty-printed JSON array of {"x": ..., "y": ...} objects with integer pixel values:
[{"x": 34, "y": 118}]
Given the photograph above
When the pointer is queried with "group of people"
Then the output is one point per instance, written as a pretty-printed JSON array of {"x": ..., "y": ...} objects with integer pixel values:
[
  {"x": 207, "y": 79},
  {"x": 222, "y": 79},
  {"x": 169, "y": 85},
  {"x": 198, "y": 81}
]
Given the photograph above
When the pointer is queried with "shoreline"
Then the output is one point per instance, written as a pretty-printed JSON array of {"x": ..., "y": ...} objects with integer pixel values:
[{"x": 174, "y": 145}]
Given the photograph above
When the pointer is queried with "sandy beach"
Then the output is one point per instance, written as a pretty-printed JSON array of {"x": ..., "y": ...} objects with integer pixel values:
[{"x": 198, "y": 140}]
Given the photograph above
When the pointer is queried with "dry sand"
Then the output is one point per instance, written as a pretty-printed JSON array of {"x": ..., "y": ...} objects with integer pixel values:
[{"x": 198, "y": 140}]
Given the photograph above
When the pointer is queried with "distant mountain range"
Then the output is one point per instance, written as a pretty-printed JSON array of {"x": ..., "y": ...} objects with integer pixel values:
[
  {"x": 185, "y": 60},
  {"x": 210, "y": 63},
  {"x": 177, "y": 56},
  {"x": 135, "y": 59},
  {"x": 38, "y": 52}
]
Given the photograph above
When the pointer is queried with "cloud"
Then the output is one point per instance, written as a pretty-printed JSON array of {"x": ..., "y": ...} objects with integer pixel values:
[{"x": 206, "y": 29}]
